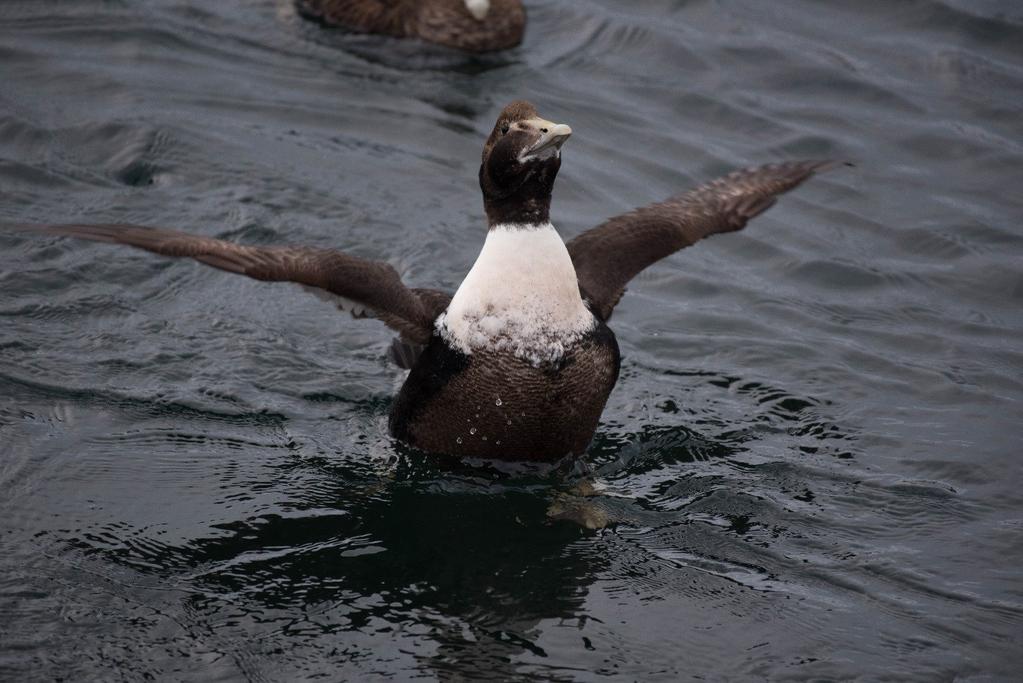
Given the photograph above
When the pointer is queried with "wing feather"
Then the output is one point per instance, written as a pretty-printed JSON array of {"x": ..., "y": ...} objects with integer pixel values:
[
  {"x": 358, "y": 285},
  {"x": 609, "y": 255}
]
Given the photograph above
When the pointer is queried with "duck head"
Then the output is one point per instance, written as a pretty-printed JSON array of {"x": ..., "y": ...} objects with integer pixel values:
[{"x": 521, "y": 159}]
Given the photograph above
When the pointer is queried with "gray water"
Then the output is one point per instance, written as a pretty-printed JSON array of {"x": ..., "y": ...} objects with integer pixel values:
[{"x": 811, "y": 464}]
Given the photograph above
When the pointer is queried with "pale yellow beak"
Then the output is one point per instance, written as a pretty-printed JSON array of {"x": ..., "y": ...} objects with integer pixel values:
[{"x": 552, "y": 137}]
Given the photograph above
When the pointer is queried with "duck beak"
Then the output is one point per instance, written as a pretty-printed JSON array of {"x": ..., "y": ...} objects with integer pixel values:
[{"x": 552, "y": 137}]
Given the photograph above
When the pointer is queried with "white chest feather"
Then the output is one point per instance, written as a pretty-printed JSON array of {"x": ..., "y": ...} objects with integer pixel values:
[{"x": 522, "y": 296}]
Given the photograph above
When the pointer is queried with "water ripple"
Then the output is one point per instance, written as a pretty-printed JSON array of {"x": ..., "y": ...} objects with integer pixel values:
[{"x": 806, "y": 471}]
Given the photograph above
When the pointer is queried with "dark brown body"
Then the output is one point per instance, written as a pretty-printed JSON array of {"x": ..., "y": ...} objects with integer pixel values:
[
  {"x": 446, "y": 22},
  {"x": 494, "y": 405}
]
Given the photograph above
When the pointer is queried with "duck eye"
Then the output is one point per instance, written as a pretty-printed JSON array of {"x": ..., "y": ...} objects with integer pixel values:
[{"x": 504, "y": 129}]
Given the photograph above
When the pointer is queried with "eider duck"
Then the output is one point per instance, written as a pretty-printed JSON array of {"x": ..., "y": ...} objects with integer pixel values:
[
  {"x": 519, "y": 362},
  {"x": 469, "y": 25}
]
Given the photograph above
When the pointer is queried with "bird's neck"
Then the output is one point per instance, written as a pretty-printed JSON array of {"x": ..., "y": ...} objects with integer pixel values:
[
  {"x": 518, "y": 261},
  {"x": 529, "y": 209}
]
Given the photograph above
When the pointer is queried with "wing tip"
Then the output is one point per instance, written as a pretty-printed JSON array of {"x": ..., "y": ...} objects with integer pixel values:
[
  {"x": 790, "y": 174},
  {"x": 824, "y": 165},
  {"x": 805, "y": 167},
  {"x": 94, "y": 232}
]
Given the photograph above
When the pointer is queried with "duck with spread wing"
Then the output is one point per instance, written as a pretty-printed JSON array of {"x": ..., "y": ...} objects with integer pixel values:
[{"x": 519, "y": 362}]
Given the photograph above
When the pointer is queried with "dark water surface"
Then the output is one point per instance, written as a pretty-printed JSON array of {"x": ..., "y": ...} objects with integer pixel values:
[{"x": 812, "y": 460}]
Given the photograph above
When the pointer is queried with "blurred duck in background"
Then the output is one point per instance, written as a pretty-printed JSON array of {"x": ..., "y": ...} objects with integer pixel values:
[{"x": 469, "y": 25}]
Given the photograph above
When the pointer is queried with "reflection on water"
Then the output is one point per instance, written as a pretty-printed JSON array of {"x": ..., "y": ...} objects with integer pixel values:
[
  {"x": 471, "y": 569},
  {"x": 807, "y": 470}
]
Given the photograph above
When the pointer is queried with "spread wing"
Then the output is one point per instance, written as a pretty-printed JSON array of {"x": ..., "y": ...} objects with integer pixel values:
[
  {"x": 611, "y": 254},
  {"x": 360, "y": 286}
]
